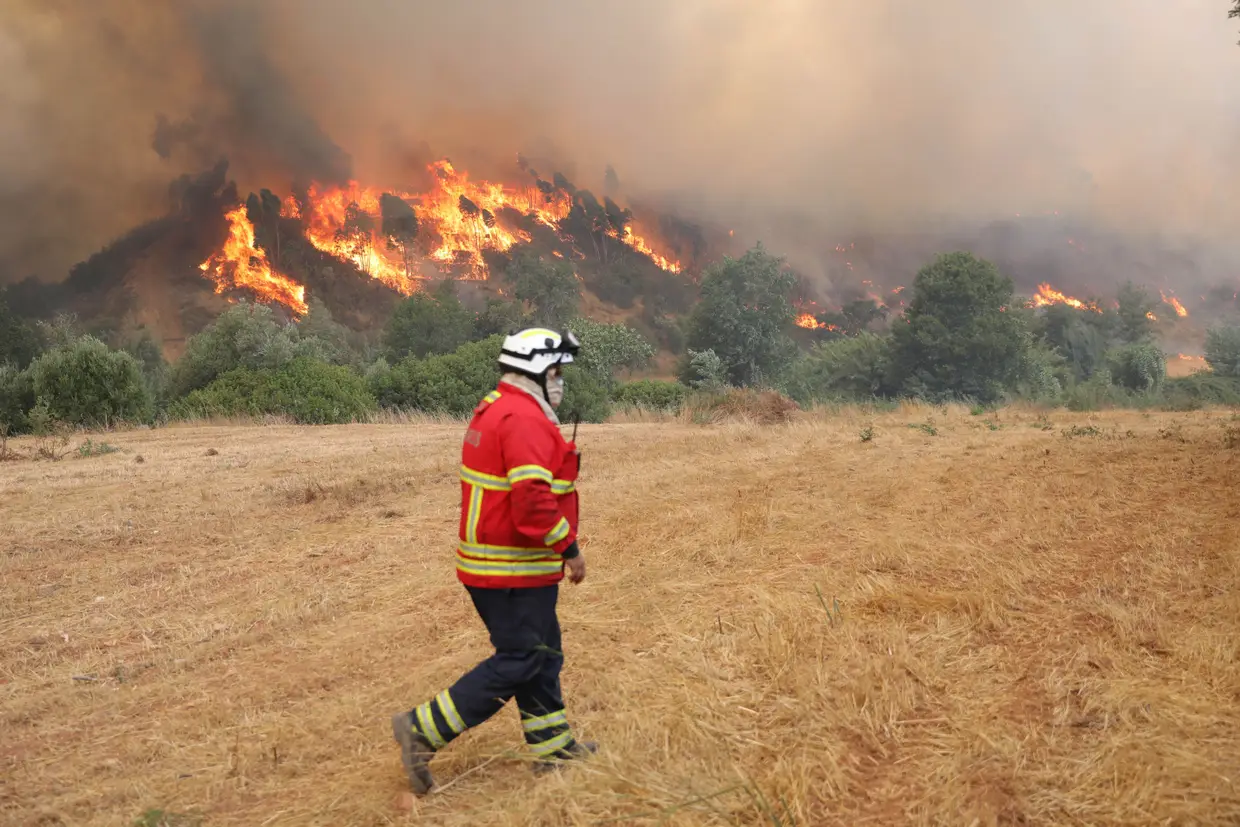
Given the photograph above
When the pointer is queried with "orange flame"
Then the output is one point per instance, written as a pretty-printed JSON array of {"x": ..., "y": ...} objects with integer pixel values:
[
  {"x": 807, "y": 321},
  {"x": 1175, "y": 303},
  {"x": 241, "y": 263},
  {"x": 328, "y": 228},
  {"x": 1048, "y": 295},
  {"x": 458, "y": 219},
  {"x": 1151, "y": 316}
]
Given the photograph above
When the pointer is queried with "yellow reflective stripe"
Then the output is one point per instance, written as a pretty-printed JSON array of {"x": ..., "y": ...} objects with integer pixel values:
[
  {"x": 447, "y": 707},
  {"x": 474, "y": 514},
  {"x": 558, "y": 533},
  {"x": 501, "y": 553},
  {"x": 428, "y": 727},
  {"x": 544, "y": 722},
  {"x": 559, "y": 742},
  {"x": 488, "y": 481},
  {"x": 491, "y": 397},
  {"x": 529, "y": 472},
  {"x": 539, "y": 332},
  {"x": 491, "y": 482},
  {"x": 507, "y": 568}
]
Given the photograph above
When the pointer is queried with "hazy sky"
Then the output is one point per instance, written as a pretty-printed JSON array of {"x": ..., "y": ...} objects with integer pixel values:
[{"x": 866, "y": 114}]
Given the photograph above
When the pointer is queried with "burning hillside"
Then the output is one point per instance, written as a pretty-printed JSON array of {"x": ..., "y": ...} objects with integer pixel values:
[{"x": 396, "y": 236}]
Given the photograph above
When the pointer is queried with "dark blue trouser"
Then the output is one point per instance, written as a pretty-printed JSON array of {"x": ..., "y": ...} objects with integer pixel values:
[{"x": 526, "y": 665}]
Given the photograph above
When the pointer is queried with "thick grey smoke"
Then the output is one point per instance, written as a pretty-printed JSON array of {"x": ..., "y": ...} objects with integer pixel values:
[{"x": 862, "y": 115}]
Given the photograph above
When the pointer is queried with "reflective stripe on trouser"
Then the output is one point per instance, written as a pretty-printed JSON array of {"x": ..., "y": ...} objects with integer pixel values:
[
  {"x": 548, "y": 735},
  {"x": 526, "y": 665}
]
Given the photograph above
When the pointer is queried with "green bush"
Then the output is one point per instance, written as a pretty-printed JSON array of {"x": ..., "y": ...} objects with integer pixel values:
[
  {"x": 16, "y": 399},
  {"x": 849, "y": 368},
  {"x": 1223, "y": 351},
  {"x": 1137, "y": 367},
  {"x": 652, "y": 394},
  {"x": 305, "y": 390},
  {"x": 87, "y": 383},
  {"x": 451, "y": 383},
  {"x": 244, "y": 336},
  {"x": 1191, "y": 393},
  {"x": 586, "y": 396}
]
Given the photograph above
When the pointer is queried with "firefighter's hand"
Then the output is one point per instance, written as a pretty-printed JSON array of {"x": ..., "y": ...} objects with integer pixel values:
[{"x": 576, "y": 568}]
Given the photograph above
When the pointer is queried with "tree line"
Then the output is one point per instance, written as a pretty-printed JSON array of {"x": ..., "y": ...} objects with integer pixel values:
[{"x": 964, "y": 336}]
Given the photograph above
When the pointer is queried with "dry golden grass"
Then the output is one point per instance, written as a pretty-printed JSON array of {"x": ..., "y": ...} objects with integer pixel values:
[{"x": 991, "y": 624}]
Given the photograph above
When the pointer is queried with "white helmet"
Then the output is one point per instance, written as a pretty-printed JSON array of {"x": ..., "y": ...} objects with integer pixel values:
[{"x": 533, "y": 350}]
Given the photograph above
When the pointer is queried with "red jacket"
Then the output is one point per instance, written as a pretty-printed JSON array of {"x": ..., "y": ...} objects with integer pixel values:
[{"x": 518, "y": 494}]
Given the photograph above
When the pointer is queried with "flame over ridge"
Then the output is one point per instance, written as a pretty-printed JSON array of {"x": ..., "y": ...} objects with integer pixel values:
[
  {"x": 1047, "y": 295},
  {"x": 241, "y": 263},
  {"x": 458, "y": 219}
]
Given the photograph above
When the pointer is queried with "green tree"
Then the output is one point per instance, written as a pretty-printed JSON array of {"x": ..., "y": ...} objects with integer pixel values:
[
  {"x": 1223, "y": 350},
  {"x": 337, "y": 343},
  {"x": 155, "y": 368},
  {"x": 1136, "y": 306},
  {"x": 20, "y": 341},
  {"x": 499, "y": 316},
  {"x": 428, "y": 323},
  {"x": 87, "y": 383},
  {"x": 16, "y": 398},
  {"x": 956, "y": 338},
  {"x": 549, "y": 288},
  {"x": 246, "y": 335},
  {"x": 449, "y": 383},
  {"x": 607, "y": 348},
  {"x": 1138, "y": 367},
  {"x": 850, "y": 368},
  {"x": 744, "y": 316},
  {"x": 703, "y": 370}
]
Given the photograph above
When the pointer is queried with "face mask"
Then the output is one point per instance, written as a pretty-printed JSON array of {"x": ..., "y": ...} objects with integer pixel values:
[{"x": 555, "y": 391}]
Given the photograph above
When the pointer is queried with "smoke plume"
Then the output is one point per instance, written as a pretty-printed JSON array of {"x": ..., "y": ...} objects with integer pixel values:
[{"x": 853, "y": 116}]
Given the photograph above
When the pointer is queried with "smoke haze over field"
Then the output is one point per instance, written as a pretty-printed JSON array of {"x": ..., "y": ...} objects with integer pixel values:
[{"x": 867, "y": 115}]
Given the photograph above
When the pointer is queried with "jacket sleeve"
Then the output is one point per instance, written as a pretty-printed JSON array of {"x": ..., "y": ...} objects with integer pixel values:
[{"x": 530, "y": 454}]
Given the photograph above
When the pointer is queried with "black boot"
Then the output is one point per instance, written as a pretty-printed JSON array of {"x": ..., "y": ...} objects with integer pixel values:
[
  {"x": 415, "y": 753},
  {"x": 577, "y": 751}
]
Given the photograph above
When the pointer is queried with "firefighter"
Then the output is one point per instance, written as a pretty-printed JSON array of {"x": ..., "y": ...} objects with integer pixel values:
[{"x": 518, "y": 532}]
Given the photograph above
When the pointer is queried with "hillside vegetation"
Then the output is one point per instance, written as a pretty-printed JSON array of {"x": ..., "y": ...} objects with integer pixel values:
[
  {"x": 918, "y": 616},
  {"x": 964, "y": 336}
]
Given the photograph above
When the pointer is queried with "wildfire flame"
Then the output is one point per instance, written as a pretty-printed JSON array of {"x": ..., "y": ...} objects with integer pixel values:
[
  {"x": 807, "y": 321},
  {"x": 1175, "y": 303},
  {"x": 1048, "y": 295},
  {"x": 458, "y": 219},
  {"x": 241, "y": 263}
]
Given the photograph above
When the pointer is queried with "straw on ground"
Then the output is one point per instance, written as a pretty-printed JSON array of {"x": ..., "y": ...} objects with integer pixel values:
[{"x": 918, "y": 616}]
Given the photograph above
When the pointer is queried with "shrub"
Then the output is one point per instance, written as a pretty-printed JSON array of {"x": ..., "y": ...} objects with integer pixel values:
[
  {"x": 244, "y": 336},
  {"x": 607, "y": 348},
  {"x": 586, "y": 396},
  {"x": 652, "y": 394},
  {"x": 451, "y": 383},
  {"x": 16, "y": 399},
  {"x": 305, "y": 390},
  {"x": 703, "y": 370},
  {"x": 1191, "y": 393},
  {"x": 1223, "y": 351},
  {"x": 1137, "y": 367},
  {"x": 853, "y": 367},
  {"x": 762, "y": 407},
  {"x": 87, "y": 383}
]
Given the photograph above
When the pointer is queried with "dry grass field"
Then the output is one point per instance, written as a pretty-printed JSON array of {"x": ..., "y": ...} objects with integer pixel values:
[{"x": 974, "y": 620}]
